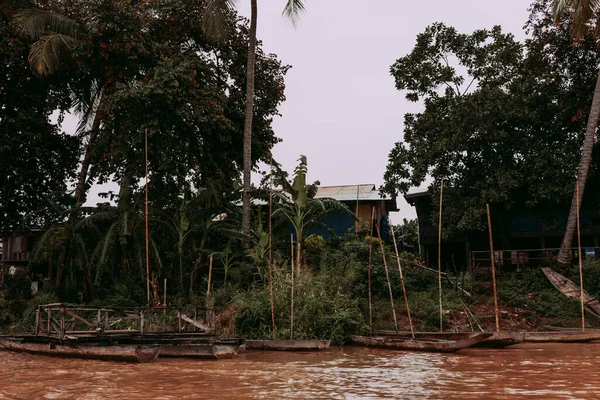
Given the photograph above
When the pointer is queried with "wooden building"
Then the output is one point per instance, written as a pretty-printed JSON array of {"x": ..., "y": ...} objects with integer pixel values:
[
  {"x": 521, "y": 239},
  {"x": 362, "y": 200}
]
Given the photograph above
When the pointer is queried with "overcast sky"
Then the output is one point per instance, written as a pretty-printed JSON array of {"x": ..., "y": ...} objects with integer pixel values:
[{"x": 342, "y": 109}]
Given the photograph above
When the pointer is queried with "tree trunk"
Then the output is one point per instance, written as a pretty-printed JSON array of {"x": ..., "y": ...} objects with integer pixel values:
[
  {"x": 246, "y": 205},
  {"x": 564, "y": 255},
  {"x": 79, "y": 192}
]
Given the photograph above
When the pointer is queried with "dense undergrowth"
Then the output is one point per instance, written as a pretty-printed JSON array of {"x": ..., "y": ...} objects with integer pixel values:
[{"x": 331, "y": 297}]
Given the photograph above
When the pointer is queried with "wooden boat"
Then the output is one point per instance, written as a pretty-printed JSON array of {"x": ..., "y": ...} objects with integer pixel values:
[
  {"x": 430, "y": 345},
  {"x": 572, "y": 290},
  {"x": 288, "y": 345},
  {"x": 191, "y": 346},
  {"x": 561, "y": 337},
  {"x": 93, "y": 351},
  {"x": 496, "y": 340},
  {"x": 562, "y": 329}
]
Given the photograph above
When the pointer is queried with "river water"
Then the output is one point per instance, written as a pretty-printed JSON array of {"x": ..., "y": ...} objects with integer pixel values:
[{"x": 542, "y": 371}]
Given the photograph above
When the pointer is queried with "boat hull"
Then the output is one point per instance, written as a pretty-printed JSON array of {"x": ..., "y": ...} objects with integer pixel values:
[
  {"x": 124, "y": 353},
  {"x": 427, "y": 345},
  {"x": 561, "y": 337},
  {"x": 287, "y": 345},
  {"x": 496, "y": 340}
]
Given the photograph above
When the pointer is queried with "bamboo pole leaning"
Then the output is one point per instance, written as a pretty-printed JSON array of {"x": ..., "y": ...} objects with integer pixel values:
[
  {"x": 440, "y": 257},
  {"x": 369, "y": 271},
  {"x": 412, "y": 332},
  {"x": 147, "y": 247},
  {"x": 580, "y": 261},
  {"x": 271, "y": 250},
  {"x": 292, "y": 289},
  {"x": 387, "y": 276},
  {"x": 493, "y": 261},
  {"x": 210, "y": 264}
]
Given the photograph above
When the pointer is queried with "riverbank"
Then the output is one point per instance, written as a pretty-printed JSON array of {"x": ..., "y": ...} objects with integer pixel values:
[{"x": 331, "y": 297}]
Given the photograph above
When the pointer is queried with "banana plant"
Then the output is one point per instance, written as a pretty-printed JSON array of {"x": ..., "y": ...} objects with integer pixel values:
[{"x": 297, "y": 204}]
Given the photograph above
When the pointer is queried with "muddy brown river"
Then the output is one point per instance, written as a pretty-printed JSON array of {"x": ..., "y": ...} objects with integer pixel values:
[{"x": 543, "y": 371}]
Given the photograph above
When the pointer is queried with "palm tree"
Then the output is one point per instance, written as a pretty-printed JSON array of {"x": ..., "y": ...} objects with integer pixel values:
[
  {"x": 53, "y": 36},
  {"x": 214, "y": 25},
  {"x": 298, "y": 206},
  {"x": 583, "y": 13}
]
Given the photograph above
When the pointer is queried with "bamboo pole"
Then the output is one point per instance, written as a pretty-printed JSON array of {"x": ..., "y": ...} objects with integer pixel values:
[
  {"x": 292, "y": 289},
  {"x": 492, "y": 258},
  {"x": 412, "y": 332},
  {"x": 580, "y": 261},
  {"x": 271, "y": 250},
  {"x": 165, "y": 293},
  {"x": 147, "y": 247},
  {"x": 369, "y": 270},
  {"x": 210, "y": 264},
  {"x": 387, "y": 276},
  {"x": 440, "y": 256}
]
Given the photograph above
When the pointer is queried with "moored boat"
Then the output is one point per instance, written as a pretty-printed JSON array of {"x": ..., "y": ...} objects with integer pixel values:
[
  {"x": 93, "y": 351},
  {"x": 288, "y": 345},
  {"x": 496, "y": 340},
  {"x": 561, "y": 337},
  {"x": 204, "y": 347},
  {"x": 428, "y": 345}
]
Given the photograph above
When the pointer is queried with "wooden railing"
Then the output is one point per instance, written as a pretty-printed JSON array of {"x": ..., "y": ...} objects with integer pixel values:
[{"x": 64, "y": 321}]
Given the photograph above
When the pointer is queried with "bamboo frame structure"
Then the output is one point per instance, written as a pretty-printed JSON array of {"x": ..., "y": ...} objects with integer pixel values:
[
  {"x": 271, "y": 250},
  {"x": 292, "y": 289},
  {"x": 440, "y": 257},
  {"x": 387, "y": 276},
  {"x": 369, "y": 270},
  {"x": 580, "y": 260},
  {"x": 412, "y": 332},
  {"x": 147, "y": 247},
  {"x": 489, "y": 221}
]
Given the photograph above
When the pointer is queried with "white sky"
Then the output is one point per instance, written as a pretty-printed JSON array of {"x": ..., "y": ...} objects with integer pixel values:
[{"x": 342, "y": 109}]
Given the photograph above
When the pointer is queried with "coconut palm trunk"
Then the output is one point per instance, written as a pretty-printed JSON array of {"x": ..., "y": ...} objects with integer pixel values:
[
  {"x": 247, "y": 152},
  {"x": 80, "y": 190},
  {"x": 584, "y": 166}
]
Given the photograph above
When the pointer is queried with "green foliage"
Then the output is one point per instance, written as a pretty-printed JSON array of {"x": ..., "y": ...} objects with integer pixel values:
[
  {"x": 531, "y": 290},
  {"x": 314, "y": 248},
  {"x": 320, "y": 311},
  {"x": 502, "y": 121}
]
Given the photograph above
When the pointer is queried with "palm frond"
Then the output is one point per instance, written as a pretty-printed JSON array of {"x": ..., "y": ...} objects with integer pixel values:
[
  {"x": 103, "y": 249},
  {"x": 95, "y": 218},
  {"x": 46, "y": 54},
  {"x": 215, "y": 22},
  {"x": 34, "y": 24},
  {"x": 293, "y": 10},
  {"x": 42, "y": 243},
  {"x": 85, "y": 103},
  {"x": 583, "y": 12}
]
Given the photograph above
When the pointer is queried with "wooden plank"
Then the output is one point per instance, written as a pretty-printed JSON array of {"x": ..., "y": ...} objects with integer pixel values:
[
  {"x": 193, "y": 322},
  {"x": 80, "y": 319}
]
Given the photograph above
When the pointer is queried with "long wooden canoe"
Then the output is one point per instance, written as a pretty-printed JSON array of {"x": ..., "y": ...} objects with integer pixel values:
[
  {"x": 561, "y": 337},
  {"x": 496, "y": 340},
  {"x": 562, "y": 329},
  {"x": 127, "y": 353},
  {"x": 288, "y": 345},
  {"x": 572, "y": 290},
  {"x": 429, "y": 345},
  {"x": 188, "y": 346}
]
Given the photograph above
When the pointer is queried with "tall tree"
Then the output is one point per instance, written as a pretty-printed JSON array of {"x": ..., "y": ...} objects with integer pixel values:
[
  {"x": 583, "y": 18},
  {"x": 214, "y": 25},
  {"x": 498, "y": 125}
]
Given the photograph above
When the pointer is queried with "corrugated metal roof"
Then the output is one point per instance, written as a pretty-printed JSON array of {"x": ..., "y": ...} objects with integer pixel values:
[{"x": 350, "y": 192}]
